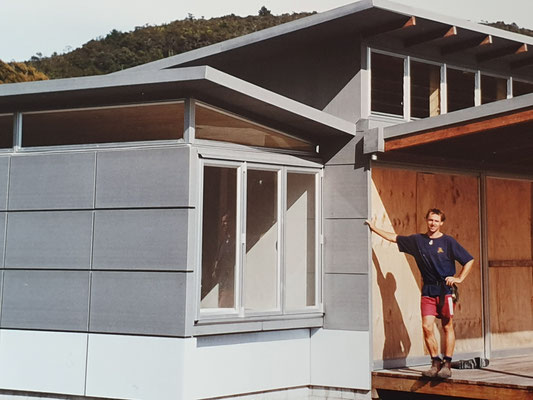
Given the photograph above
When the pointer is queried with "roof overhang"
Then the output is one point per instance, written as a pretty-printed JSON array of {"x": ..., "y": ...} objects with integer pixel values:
[
  {"x": 202, "y": 83},
  {"x": 495, "y": 136},
  {"x": 416, "y": 30}
]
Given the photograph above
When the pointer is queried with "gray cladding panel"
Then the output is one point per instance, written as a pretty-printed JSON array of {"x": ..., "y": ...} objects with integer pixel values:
[
  {"x": 56, "y": 300},
  {"x": 150, "y": 303},
  {"x": 346, "y": 302},
  {"x": 49, "y": 239},
  {"x": 52, "y": 181},
  {"x": 141, "y": 239},
  {"x": 143, "y": 178},
  {"x": 4, "y": 173},
  {"x": 346, "y": 246},
  {"x": 345, "y": 192}
]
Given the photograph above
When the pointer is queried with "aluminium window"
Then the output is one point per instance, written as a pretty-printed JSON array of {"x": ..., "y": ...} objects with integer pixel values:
[
  {"x": 520, "y": 88},
  {"x": 387, "y": 74},
  {"x": 461, "y": 87},
  {"x": 425, "y": 89},
  {"x": 260, "y": 232},
  {"x": 6, "y": 131},
  {"x": 493, "y": 88},
  {"x": 113, "y": 124}
]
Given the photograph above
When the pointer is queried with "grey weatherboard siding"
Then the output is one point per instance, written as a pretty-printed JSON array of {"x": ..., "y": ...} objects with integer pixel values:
[{"x": 97, "y": 241}]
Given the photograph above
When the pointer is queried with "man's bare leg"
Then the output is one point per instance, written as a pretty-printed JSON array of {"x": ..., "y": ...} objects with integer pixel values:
[
  {"x": 449, "y": 337},
  {"x": 449, "y": 340},
  {"x": 428, "y": 326}
]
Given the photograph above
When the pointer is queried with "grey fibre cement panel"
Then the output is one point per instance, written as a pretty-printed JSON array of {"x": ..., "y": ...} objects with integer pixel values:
[
  {"x": 346, "y": 302},
  {"x": 51, "y": 300},
  {"x": 49, "y": 239},
  {"x": 346, "y": 246},
  {"x": 141, "y": 239},
  {"x": 4, "y": 173},
  {"x": 143, "y": 178},
  {"x": 52, "y": 181},
  {"x": 345, "y": 192},
  {"x": 149, "y": 303}
]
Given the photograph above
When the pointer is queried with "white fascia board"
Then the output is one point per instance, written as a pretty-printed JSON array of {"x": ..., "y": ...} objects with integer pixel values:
[
  {"x": 453, "y": 21},
  {"x": 187, "y": 74},
  {"x": 460, "y": 116},
  {"x": 253, "y": 37},
  {"x": 101, "y": 81}
]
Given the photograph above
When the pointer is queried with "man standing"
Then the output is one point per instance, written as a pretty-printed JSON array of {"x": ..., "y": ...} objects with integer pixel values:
[{"x": 435, "y": 254}]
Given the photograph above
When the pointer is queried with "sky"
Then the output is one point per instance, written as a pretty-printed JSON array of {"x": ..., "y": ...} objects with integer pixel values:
[{"x": 46, "y": 26}]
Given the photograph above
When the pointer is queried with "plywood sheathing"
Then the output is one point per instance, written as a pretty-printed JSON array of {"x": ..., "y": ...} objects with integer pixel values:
[
  {"x": 511, "y": 287},
  {"x": 400, "y": 199}
]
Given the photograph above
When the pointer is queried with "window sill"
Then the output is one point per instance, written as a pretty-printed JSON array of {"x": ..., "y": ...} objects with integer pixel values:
[{"x": 218, "y": 327}]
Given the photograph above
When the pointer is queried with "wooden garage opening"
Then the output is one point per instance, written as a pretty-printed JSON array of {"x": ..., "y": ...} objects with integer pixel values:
[{"x": 491, "y": 218}]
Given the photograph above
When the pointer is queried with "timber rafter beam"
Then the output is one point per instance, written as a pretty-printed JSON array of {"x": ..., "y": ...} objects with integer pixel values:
[
  {"x": 403, "y": 23},
  {"x": 426, "y": 37},
  {"x": 466, "y": 45},
  {"x": 526, "y": 62},
  {"x": 451, "y": 132},
  {"x": 499, "y": 53}
]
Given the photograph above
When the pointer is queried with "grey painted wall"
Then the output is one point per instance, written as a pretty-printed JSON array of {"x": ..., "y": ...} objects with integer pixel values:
[
  {"x": 97, "y": 241},
  {"x": 317, "y": 70},
  {"x": 346, "y": 240}
]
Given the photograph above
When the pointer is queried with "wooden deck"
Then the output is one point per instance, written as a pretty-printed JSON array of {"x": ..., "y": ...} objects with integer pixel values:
[{"x": 503, "y": 379}]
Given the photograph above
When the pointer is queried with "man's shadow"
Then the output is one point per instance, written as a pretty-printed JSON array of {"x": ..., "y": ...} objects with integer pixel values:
[{"x": 397, "y": 342}]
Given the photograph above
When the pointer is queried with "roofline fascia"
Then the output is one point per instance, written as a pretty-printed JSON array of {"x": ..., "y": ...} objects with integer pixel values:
[
  {"x": 320, "y": 18},
  {"x": 461, "y": 116},
  {"x": 186, "y": 74},
  {"x": 253, "y": 37}
]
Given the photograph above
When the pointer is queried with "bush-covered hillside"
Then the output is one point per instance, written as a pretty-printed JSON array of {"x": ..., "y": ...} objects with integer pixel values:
[
  {"x": 19, "y": 72},
  {"x": 120, "y": 50}
]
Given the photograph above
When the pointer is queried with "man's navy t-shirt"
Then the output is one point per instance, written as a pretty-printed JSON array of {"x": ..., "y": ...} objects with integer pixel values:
[{"x": 432, "y": 256}]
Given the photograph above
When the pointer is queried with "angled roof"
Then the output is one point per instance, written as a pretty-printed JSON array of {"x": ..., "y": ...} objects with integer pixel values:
[
  {"x": 377, "y": 18},
  {"x": 202, "y": 83}
]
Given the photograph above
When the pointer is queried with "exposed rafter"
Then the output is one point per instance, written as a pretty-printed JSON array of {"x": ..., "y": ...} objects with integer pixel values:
[
  {"x": 389, "y": 27},
  {"x": 457, "y": 131},
  {"x": 466, "y": 44},
  {"x": 421, "y": 38},
  {"x": 526, "y": 62},
  {"x": 507, "y": 51}
]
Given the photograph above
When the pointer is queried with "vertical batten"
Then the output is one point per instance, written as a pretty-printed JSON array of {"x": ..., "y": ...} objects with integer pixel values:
[
  {"x": 407, "y": 88},
  {"x": 17, "y": 131},
  {"x": 443, "y": 90},
  {"x": 189, "y": 121},
  {"x": 477, "y": 89}
]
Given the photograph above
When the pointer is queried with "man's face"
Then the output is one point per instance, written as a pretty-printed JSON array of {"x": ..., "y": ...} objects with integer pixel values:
[{"x": 434, "y": 223}]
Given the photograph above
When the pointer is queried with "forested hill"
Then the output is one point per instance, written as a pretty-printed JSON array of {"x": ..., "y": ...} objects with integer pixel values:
[
  {"x": 19, "y": 72},
  {"x": 121, "y": 50}
]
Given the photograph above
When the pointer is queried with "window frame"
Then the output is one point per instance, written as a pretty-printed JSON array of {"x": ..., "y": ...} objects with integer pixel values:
[
  {"x": 477, "y": 95},
  {"x": 239, "y": 313}
]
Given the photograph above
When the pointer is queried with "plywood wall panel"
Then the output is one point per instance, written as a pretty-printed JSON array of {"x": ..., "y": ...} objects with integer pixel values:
[
  {"x": 400, "y": 199},
  {"x": 397, "y": 332},
  {"x": 458, "y": 197},
  {"x": 509, "y": 238}
]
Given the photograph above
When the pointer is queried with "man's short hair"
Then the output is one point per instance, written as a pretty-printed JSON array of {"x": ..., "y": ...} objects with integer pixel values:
[{"x": 438, "y": 212}]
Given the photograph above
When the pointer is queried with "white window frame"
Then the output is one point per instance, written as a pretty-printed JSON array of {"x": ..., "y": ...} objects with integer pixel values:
[
  {"x": 239, "y": 312},
  {"x": 444, "y": 83}
]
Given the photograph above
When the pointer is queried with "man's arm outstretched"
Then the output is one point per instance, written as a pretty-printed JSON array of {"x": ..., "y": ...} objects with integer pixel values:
[{"x": 390, "y": 236}]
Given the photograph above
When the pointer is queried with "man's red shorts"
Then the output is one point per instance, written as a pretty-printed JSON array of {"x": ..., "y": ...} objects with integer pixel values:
[{"x": 428, "y": 305}]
